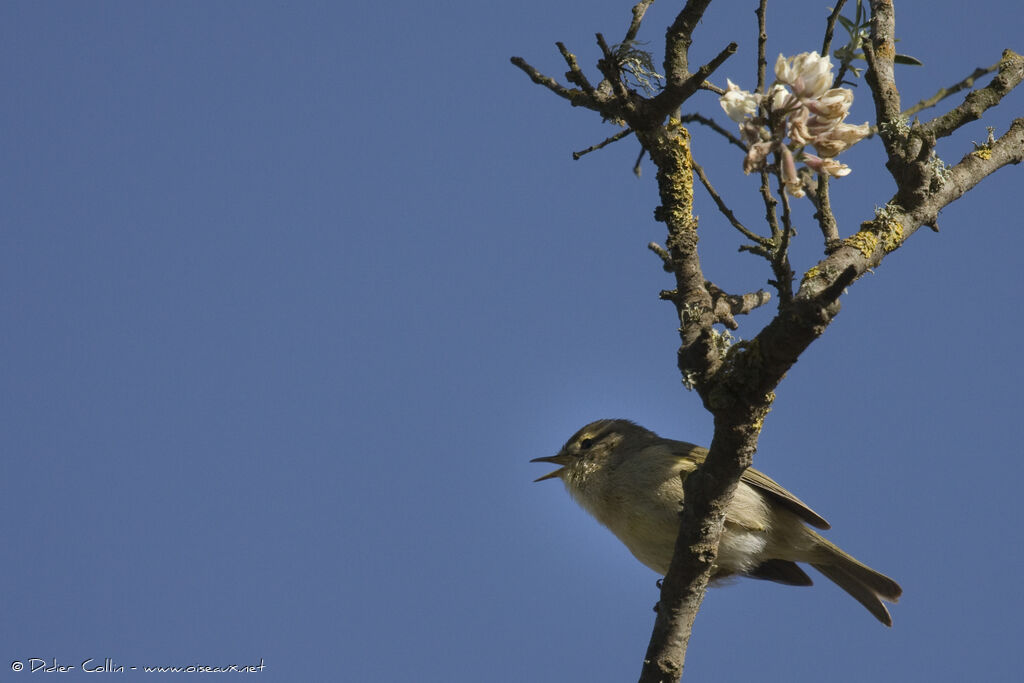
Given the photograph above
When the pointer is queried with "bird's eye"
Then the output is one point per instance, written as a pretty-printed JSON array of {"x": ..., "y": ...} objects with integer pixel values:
[{"x": 586, "y": 443}]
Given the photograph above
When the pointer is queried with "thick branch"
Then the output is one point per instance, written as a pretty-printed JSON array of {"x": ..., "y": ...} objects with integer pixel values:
[
  {"x": 678, "y": 39},
  {"x": 972, "y": 169},
  {"x": 669, "y": 148},
  {"x": 707, "y": 493},
  {"x": 880, "y": 53},
  {"x": 1011, "y": 72},
  {"x": 816, "y": 303},
  {"x": 677, "y": 92}
]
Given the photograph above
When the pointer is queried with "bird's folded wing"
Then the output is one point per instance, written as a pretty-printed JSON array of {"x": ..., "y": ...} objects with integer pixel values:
[{"x": 760, "y": 481}]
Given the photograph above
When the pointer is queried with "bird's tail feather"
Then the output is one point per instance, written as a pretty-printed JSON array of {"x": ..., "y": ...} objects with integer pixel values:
[{"x": 864, "y": 584}]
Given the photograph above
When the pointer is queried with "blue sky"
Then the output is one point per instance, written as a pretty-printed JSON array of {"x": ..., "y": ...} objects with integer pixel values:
[{"x": 292, "y": 293}]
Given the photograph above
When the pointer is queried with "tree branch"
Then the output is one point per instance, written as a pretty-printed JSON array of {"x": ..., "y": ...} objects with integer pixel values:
[
  {"x": 713, "y": 125},
  {"x": 736, "y": 383},
  {"x": 762, "y": 42},
  {"x": 639, "y": 10},
  {"x": 669, "y": 148},
  {"x": 1011, "y": 72},
  {"x": 880, "y": 53},
  {"x": 604, "y": 143},
  {"x": 677, "y": 92},
  {"x": 727, "y": 212},
  {"x": 826, "y": 219},
  {"x": 830, "y": 28},
  {"x": 575, "y": 74},
  {"x": 946, "y": 92},
  {"x": 678, "y": 39},
  {"x": 727, "y": 306}
]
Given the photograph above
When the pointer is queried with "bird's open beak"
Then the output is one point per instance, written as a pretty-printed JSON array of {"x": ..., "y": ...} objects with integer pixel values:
[{"x": 560, "y": 459}]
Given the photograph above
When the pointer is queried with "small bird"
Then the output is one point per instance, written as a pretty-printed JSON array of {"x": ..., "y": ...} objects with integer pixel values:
[{"x": 629, "y": 478}]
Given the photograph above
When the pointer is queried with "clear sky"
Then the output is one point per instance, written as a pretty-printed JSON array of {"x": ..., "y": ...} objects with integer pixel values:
[{"x": 292, "y": 292}]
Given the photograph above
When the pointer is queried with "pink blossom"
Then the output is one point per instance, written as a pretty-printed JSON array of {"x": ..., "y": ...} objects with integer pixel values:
[
  {"x": 829, "y": 166},
  {"x": 840, "y": 138},
  {"x": 789, "y": 176}
]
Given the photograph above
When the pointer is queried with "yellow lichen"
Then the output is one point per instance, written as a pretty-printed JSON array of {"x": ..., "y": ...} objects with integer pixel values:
[
  {"x": 982, "y": 153},
  {"x": 812, "y": 273},
  {"x": 864, "y": 241},
  {"x": 892, "y": 237},
  {"x": 679, "y": 175},
  {"x": 762, "y": 413}
]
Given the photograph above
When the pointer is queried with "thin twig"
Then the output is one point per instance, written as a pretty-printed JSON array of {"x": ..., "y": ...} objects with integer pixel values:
[
  {"x": 762, "y": 40},
  {"x": 639, "y": 10},
  {"x": 830, "y": 27},
  {"x": 708, "y": 85},
  {"x": 610, "y": 69},
  {"x": 551, "y": 84},
  {"x": 946, "y": 92},
  {"x": 769, "y": 205},
  {"x": 778, "y": 235},
  {"x": 726, "y": 211},
  {"x": 713, "y": 125},
  {"x": 780, "y": 262},
  {"x": 1011, "y": 72},
  {"x": 847, "y": 55},
  {"x": 666, "y": 258},
  {"x": 826, "y": 219},
  {"x": 604, "y": 143},
  {"x": 575, "y": 75}
]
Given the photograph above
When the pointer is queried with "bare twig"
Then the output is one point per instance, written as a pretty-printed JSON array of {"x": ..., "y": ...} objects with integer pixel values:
[
  {"x": 575, "y": 75},
  {"x": 637, "y": 168},
  {"x": 780, "y": 254},
  {"x": 708, "y": 85},
  {"x": 946, "y": 92},
  {"x": 713, "y": 125},
  {"x": 551, "y": 84},
  {"x": 826, "y": 219},
  {"x": 769, "y": 205},
  {"x": 639, "y": 10},
  {"x": 666, "y": 258},
  {"x": 604, "y": 143},
  {"x": 762, "y": 40},
  {"x": 727, "y": 212},
  {"x": 1011, "y": 72},
  {"x": 609, "y": 67},
  {"x": 830, "y": 27}
]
